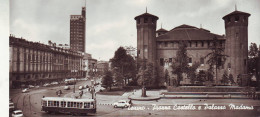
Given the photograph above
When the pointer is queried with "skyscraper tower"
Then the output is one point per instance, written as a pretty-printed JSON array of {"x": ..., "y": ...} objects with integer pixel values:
[
  {"x": 236, "y": 45},
  {"x": 146, "y": 37},
  {"x": 77, "y": 31}
]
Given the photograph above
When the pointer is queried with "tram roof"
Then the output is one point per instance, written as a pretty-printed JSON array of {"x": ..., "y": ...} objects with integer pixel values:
[{"x": 68, "y": 99}]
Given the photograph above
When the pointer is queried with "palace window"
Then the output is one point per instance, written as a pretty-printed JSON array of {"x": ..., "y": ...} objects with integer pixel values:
[
  {"x": 170, "y": 60},
  {"x": 190, "y": 60},
  {"x": 138, "y": 21},
  {"x": 166, "y": 44},
  {"x": 145, "y": 48},
  {"x": 161, "y": 61},
  {"x": 229, "y": 65},
  {"x": 153, "y": 21},
  {"x": 201, "y": 60},
  {"x": 236, "y": 18},
  {"x": 145, "y": 20},
  {"x": 202, "y": 44},
  {"x": 228, "y": 20}
]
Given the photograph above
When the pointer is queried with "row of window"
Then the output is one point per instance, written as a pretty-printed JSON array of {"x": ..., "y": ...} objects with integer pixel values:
[
  {"x": 146, "y": 20},
  {"x": 68, "y": 104},
  {"x": 21, "y": 61},
  {"x": 164, "y": 61},
  {"x": 237, "y": 19},
  {"x": 190, "y": 44}
]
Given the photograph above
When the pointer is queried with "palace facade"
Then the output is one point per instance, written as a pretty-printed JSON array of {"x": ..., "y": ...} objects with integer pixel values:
[
  {"x": 160, "y": 46},
  {"x": 35, "y": 63}
]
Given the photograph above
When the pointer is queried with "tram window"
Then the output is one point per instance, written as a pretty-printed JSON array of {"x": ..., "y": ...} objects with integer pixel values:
[
  {"x": 80, "y": 105},
  {"x": 55, "y": 103},
  {"x": 49, "y": 103},
  {"x": 63, "y": 104},
  {"x": 75, "y": 104},
  {"x": 69, "y": 104},
  {"x": 86, "y": 105},
  {"x": 44, "y": 103}
]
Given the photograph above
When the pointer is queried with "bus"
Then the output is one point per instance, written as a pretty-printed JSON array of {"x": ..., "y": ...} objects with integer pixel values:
[
  {"x": 68, "y": 105},
  {"x": 71, "y": 81}
]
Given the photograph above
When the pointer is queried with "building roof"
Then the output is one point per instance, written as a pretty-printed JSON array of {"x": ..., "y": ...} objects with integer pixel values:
[
  {"x": 146, "y": 15},
  {"x": 162, "y": 30},
  {"x": 236, "y": 13},
  {"x": 187, "y": 32}
]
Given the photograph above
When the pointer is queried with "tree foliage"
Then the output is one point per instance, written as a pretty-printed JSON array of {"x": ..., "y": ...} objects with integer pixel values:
[
  {"x": 201, "y": 77},
  {"x": 216, "y": 57},
  {"x": 107, "y": 80},
  {"x": 124, "y": 65},
  {"x": 252, "y": 58},
  {"x": 167, "y": 77},
  {"x": 180, "y": 65},
  {"x": 191, "y": 72},
  {"x": 231, "y": 79},
  {"x": 145, "y": 74},
  {"x": 225, "y": 79}
]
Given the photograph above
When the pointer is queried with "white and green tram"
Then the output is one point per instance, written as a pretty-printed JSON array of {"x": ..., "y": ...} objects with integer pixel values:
[{"x": 68, "y": 105}]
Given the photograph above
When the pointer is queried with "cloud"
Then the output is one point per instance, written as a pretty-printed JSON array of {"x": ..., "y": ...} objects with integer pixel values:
[{"x": 104, "y": 27}]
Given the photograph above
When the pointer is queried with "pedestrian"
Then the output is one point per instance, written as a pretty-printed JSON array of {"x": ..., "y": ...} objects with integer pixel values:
[{"x": 130, "y": 102}]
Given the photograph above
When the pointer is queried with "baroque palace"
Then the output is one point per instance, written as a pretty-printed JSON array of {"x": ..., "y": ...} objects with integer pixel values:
[
  {"x": 35, "y": 63},
  {"x": 160, "y": 46}
]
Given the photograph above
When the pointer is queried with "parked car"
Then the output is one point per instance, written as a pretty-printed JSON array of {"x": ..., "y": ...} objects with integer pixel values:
[
  {"x": 17, "y": 113},
  {"x": 80, "y": 87},
  {"x": 54, "y": 83},
  {"x": 11, "y": 106},
  {"x": 46, "y": 84},
  {"x": 31, "y": 86},
  {"x": 25, "y": 90},
  {"x": 37, "y": 86},
  {"x": 66, "y": 87},
  {"x": 121, "y": 103}
]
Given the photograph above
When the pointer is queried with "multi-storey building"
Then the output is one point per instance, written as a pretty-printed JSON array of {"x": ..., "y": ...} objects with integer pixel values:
[
  {"x": 89, "y": 65},
  {"x": 102, "y": 67},
  {"x": 35, "y": 63},
  {"x": 77, "y": 31},
  {"x": 160, "y": 47}
]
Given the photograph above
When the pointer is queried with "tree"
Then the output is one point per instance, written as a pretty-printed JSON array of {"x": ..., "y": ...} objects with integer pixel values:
[
  {"x": 167, "y": 77},
  {"x": 191, "y": 72},
  {"x": 118, "y": 77},
  {"x": 125, "y": 65},
  {"x": 145, "y": 74},
  {"x": 107, "y": 80},
  {"x": 216, "y": 57},
  {"x": 252, "y": 58},
  {"x": 201, "y": 77},
  {"x": 181, "y": 61},
  {"x": 231, "y": 79},
  {"x": 225, "y": 78}
]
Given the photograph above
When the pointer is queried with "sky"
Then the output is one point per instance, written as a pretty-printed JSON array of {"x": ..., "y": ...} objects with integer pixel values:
[{"x": 110, "y": 23}]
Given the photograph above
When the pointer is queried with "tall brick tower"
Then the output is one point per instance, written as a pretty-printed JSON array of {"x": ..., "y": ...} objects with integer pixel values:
[
  {"x": 236, "y": 45},
  {"x": 146, "y": 34},
  {"x": 77, "y": 31}
]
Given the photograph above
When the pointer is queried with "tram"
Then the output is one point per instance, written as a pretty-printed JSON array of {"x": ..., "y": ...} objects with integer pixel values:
[
  {"x": 71, "y": 81},
  {"x": 68, "y": 105}
]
